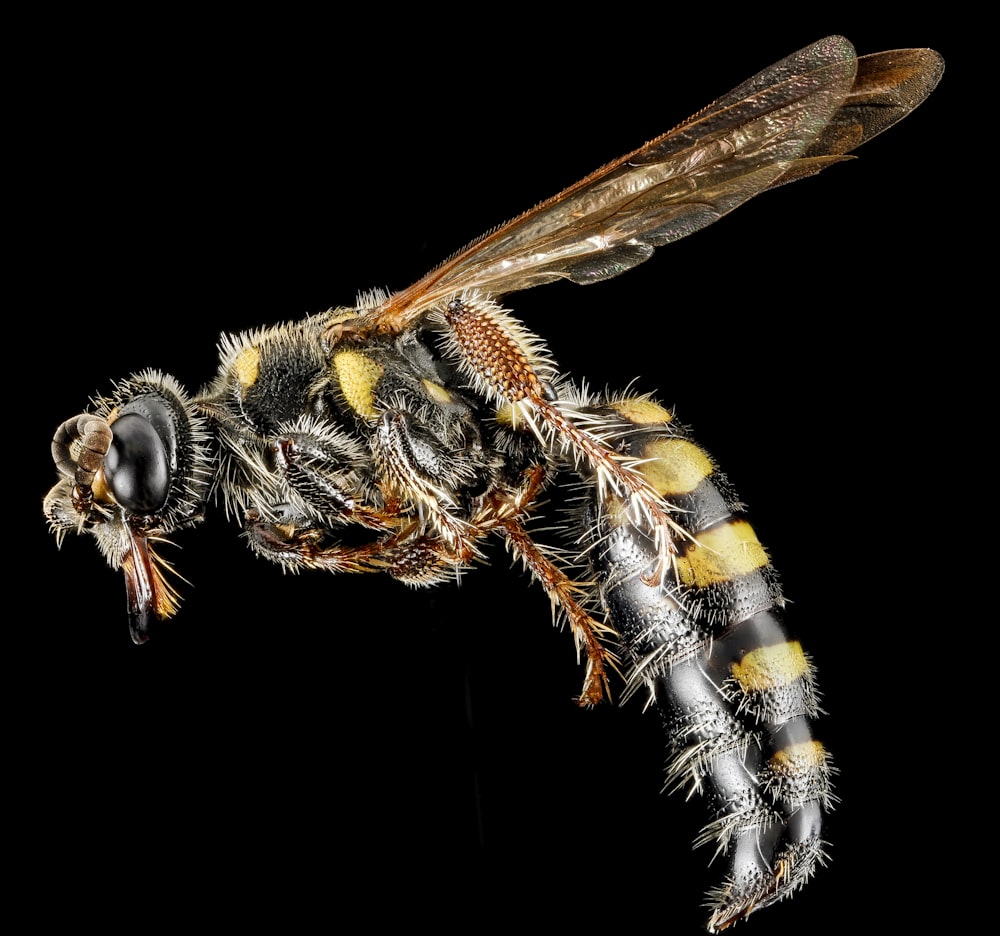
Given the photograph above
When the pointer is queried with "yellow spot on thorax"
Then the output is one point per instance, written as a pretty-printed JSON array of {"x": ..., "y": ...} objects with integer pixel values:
[
  {"x": 505, "y": 415},
  {"x": 436, "y": 392},
  {"x": 513, "y": 416},
  {"x": 246, "y": 366},
  {"x": 358, "y": 375},
  {"x": 675, "y": 466},
  {"x": 720, "y": 555},
  {"x": 770, "y": 667}
]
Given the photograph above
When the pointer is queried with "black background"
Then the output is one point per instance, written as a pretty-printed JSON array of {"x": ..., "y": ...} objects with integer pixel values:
[{"x": 206, "y": 178}]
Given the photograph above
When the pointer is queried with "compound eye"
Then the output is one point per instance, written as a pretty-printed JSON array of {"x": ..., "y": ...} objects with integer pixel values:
[{"x": 136, "y": 468}]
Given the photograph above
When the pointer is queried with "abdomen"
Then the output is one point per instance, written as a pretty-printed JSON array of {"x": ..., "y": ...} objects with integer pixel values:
[{"x": 704, "y": 634}]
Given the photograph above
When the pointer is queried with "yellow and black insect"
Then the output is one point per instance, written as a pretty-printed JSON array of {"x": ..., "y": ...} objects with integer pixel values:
[{"x": 398, "y": 434}]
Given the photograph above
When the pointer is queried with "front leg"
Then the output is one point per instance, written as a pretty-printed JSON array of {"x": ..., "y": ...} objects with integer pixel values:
[
  {"x": 322, "y": 473},
  {"x": 408, "y": 556}
]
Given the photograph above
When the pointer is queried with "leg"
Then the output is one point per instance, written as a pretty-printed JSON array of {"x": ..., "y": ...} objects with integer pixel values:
[
  {"x": 408, "y": 556},
  {"x": 509, "y": 365},
  {"x": 568, "y": 596}
]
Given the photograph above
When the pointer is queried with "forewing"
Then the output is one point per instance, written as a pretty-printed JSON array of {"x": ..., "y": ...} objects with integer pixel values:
[
  {"x": 674, "y": 185},
  {"x": 787, "y": 122}
]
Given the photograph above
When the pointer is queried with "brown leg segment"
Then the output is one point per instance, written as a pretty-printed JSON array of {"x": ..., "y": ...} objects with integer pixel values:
[
  {"x": 566, "y": 594},
  {"x": 407, "y": 555}
]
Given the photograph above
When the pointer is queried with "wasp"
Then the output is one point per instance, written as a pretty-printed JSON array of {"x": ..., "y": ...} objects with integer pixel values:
[{"x": 399, "y": 434}]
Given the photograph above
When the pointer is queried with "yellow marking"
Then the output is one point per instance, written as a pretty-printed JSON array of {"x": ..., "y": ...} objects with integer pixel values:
[
  {"x": 720, "y": 555},
  {"x": 246, "y": 366},
  {"x": 99, "y": 488},
  {"x": 505, "y": 415},
  {"x": 437, "y": 393},
  {"x": 675, "y": 466},
  {"x": 614, "y": 509},
  {"x": 770, "y": 667},
  {"x": 642, "y": 412},
  {"x": 342, "y": 315},
  {"x": 358, "y": 376},
  {"x": 798, "y": 759},
  {"x": 512, "y": 415}
]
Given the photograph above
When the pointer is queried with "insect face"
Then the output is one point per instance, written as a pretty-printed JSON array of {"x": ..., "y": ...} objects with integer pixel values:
[{"x": 133, "y": 472}]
